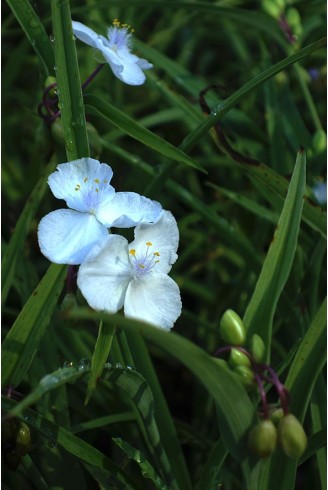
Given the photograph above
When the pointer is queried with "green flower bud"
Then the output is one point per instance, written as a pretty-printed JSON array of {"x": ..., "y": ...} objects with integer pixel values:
[
  {"x": 257, "y": 348},
  {"x": 245, "y": 375},
  {"x": 276, "y": 416},
  {"x": 262, "y": 438},
  {"x": 220, "y": 362},
  {"x": 291, "y": 436},
  {"x": 50, "y": 81},
  {"x": 232, "y": 328},
  {"x": 23, "y": 439},
  {"x": 238, "y": 358},
  {"x": 294, "y": 20},
  {"x": 57, "y": 132},
  {"x": 319, "y": 141},
  {"x": 271, "y": 8}
]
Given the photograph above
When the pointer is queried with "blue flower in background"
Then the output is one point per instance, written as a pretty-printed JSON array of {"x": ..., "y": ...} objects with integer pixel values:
[{"x": 320, "y": 193}]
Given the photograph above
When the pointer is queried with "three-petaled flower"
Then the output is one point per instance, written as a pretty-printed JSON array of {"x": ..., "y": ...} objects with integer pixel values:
[
  {"x": 67, "y": 235},
  {"x": 116, "y": 274},
  {"x": 116, "y": 50}
]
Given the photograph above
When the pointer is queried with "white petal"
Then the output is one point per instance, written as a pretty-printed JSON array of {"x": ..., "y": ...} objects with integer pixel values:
[
  {"x": 128, "y": 209},
  {"x": 85, "y": 34},
  {"x": 105, "y": 274},
  {"x": 164, "y": 236},
  {"x": 125, "y": 66},
  {"x": 76, "y": 182},
  {"x": 144, "y": 64},
  {"x": 154, "y": 299},
  {"x": 66, "y": 236}
]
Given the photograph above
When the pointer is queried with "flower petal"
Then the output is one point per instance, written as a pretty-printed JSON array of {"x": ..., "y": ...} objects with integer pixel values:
[
  {"x": 164, "y": 237},
  {"x": 105, "y": 274},
  {"x": 154, "y": 299},
  {"x": 124, "y": 65},
  {"x": 128, "y": 209},
  {"x": 66, "y": 236},
  {"x": 84, "y": 184},
  {"x": 85, "y": 34}
]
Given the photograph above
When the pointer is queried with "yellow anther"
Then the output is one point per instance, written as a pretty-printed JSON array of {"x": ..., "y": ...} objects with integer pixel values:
[
  {"x": 86, "y": 179},
  {"x": 97, "y": 181},
  {"x": 157, "y": 254},
  {"x": 132, "y": 252},
  {"x": 105, "y": 181},
  {"x": 149, "y": 244},
  {"x": 141, "y": 266},
  {"x": 77, "y": 188}
]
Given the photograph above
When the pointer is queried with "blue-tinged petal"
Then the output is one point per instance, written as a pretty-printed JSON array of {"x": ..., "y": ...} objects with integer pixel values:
[
  {"x": 105, "y": 274},
  {"x": 128, "y": 209},
  {"x": 66, "y": 236},
  {"x": 83, "y": 184},
  {"x": 124, "y": 66},
  {"x": 85, "y": 34},
  {"x": 164, "y": 237},
  {"x": 153, "y": 299}
]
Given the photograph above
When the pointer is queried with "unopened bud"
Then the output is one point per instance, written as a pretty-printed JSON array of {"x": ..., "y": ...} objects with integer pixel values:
[
  {"x": 245, "y": 375},
  {"x": 257, "y": 348},
  {"x": 262, "y": 438},
  {"x": 232, "y": 328},
  {"x": 276, "y": 416},
  {"x": 50, "y": 81},
  {"x": 23, "y": 439},
  {"x": 291, "y": 436},
  {"x": 238, "y": 358}
]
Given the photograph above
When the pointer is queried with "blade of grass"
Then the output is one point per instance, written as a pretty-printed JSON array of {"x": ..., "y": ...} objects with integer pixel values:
[
  {"x": 68, "y": 81},
  {"x": 35, "y": 32},
  {"x": 23, "y": 339},
  {"x": 277, "y": 265}
]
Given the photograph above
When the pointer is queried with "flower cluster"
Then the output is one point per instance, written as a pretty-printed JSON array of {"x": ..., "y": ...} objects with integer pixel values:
[
  {"x": 113, "y": 273},
  {"x": 277, "y": 426}
]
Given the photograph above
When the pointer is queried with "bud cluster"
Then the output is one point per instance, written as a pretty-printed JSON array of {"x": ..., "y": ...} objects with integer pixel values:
[{"x": 277, "y": 427}]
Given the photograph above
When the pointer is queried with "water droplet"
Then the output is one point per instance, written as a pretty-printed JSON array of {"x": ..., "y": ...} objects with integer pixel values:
[
  {"x": 108, "y": 365},
  {"x": 84, "y": 364},
  {"x": 68, "y": 364},
  {"x": 29, "y": 420},
  {"x": 48, "y": 380},
  {"x": 33, "y": 42},
  {"x": 129, "y": 367},
  {"x": 52, "y": 38},
  {"x": 118, "y": 365}
]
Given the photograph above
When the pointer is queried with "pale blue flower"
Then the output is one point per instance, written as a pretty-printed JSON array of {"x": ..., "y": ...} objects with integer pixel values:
[
  {"x": 116, "y": 51},
  {"x": 67, "y": 235},
  {"x": 320, "y": 193},
  {"x": 116, "y": 274}
]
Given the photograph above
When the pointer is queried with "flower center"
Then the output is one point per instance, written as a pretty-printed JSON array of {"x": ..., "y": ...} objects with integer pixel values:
[
  {"x": 90, "y": 189},
  {"x": 119, "y": 35},
  {"x": 144, "y": 264}
]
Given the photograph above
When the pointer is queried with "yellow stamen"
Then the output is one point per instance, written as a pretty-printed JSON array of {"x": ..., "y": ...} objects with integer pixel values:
[
  {"x": 157, "y": 254},
  {"x": 86, "y": 179},
  {"x": 132, "y": 252},
  {"x": 97, "y": 181},
  {"x": 149, "y": 244}
]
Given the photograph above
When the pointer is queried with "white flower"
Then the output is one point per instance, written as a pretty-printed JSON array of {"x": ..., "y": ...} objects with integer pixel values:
[
  {"x": 116, "y": 274},
  {"x": 116, "y": 51},
  {"x": 67, "y": 235}
]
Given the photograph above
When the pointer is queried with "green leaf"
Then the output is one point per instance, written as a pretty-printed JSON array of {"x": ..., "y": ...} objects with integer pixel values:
[
  {"x": 234, "y": 408},
  {"x": 101, "y": 108},
  {"x": 23, "y": 339},
  {"x": 146, "y": 468},
  {"x": 73, "y": 444},
  {"x": 277, "y": 265},
  {"x": 68, "y": 81},
  {"x": 22, "y": 228},
  {"x": 35, "y": 32},
  {"x": 100, "y": 355}
]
